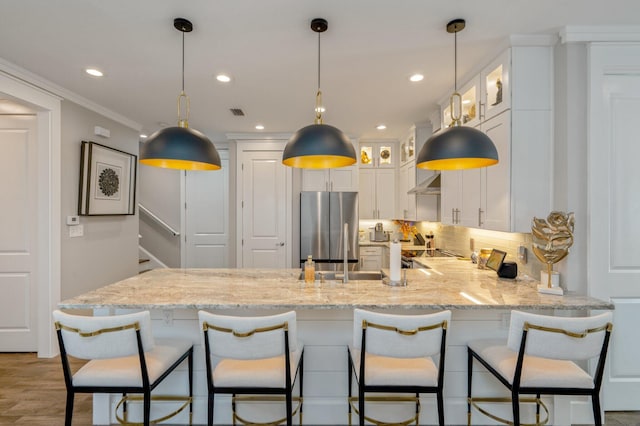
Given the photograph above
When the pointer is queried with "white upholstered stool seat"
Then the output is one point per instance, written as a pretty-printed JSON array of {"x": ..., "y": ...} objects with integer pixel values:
[
  {"x": 397, "y": 354},
  {"x": 389, "y": 371},
  {"x": 253, "y": 358},
  {"x": 266, "y": 372},
  {"x": 538, "y": 359},
  {"x": 125, "y": 371},
  {"x": 123, "y": 357},
  {"x": 536, "y": 371}
]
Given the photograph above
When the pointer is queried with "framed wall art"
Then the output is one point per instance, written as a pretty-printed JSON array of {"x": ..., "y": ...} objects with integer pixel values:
[{"x": 107, "y": 181}]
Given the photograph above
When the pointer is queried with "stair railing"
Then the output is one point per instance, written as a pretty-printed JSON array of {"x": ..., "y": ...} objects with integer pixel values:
[{"x": 159, "y": 221}]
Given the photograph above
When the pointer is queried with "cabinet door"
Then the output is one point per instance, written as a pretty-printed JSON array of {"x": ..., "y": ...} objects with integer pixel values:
[
  {"x": 377, "y": 155},
  {"x": 496, "y": 89},
  {"x": 470, "y": 196},
  {"x": 315, "y": 180},
  {"x": 402, "y": 201},
  {"x": 449, "y": 195},
  {"x": 370, "y": 263},
  {"x": 411, "y": 198},
  {"x": 367, "y": 196},
  {"x": 385, "y": 193},
  {"x": 496, "y": 182},
  {"x": 344, "y": 179}
]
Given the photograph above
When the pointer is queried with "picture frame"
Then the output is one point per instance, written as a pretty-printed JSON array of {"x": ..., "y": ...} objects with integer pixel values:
[{"x": 107, "y": 181}]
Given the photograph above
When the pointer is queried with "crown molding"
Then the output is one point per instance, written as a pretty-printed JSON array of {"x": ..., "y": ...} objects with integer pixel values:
[
  {"x": 585, "y": 34},
  {"x": 34, "y": 80}
]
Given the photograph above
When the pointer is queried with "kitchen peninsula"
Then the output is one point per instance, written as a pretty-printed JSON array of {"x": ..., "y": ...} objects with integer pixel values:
[{"x": 480, "y": 302}]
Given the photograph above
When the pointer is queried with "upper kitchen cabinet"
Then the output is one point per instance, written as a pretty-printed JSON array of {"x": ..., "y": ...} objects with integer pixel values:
[
  {"x": 485, "y": 95},
  {"x": 340, "y": 179},
  {"x": 408, "y": 148},
  {"x": 518, "y": 119},
  {"x": 377, "y": 193},
  {"x": 378, "y": 154},
  {"x": 416, "y": 205},
  {"x": 495, "y": 95}
]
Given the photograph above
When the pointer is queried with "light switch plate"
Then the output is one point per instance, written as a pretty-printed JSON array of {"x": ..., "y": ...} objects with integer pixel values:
[{"x": 76, "y": 231}]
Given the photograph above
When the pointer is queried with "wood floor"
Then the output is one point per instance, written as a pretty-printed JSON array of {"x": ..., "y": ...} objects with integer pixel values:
[{"x": 32, "y": 392}]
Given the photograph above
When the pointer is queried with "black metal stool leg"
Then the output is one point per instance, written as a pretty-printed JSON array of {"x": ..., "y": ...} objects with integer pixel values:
[
  {"x": 69, "y": 409},
  {"x": 469, "y": 379}
]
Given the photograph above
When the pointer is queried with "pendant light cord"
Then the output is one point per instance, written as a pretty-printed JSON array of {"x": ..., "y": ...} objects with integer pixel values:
[
  {"x": 455, "y": 61},
  {"x": 318, "y": 119},
  {"x": 183, "y": 62},
  {"x": 318, "y": 62},
  {"x": 183, "y": 122}
]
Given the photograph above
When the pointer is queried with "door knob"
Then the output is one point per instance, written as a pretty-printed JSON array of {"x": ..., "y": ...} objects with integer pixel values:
[{"x": 279, "y": 244}]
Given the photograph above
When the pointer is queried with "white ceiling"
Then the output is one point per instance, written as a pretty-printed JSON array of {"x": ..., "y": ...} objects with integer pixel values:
[{"x": 368, "y": 53}]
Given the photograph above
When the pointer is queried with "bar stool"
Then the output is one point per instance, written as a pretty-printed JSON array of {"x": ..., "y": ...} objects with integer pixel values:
[
  {"x": 537, "y": 359},
  {"x": 123, "y": 358},
  {"x": 395, "y": 354},
  {"x": 256, "y": 356}
]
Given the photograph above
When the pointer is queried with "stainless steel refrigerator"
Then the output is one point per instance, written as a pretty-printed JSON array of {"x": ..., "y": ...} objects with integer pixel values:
[{"x": 322, "y": 220}]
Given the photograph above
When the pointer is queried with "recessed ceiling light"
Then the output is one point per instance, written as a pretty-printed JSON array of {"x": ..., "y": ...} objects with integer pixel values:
[
  {"x": 143, "y": 136},
  {"x": 223, "y": 78},
  {"x": 94, "y": 72},
  {"x": 259, "y": 127},
  {"x": 381, "y": 127},
  {"x": 416, "y": 77}
]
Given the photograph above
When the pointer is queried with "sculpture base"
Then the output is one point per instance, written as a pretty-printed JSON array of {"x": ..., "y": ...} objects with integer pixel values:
[{"x": 542, "y": 288}]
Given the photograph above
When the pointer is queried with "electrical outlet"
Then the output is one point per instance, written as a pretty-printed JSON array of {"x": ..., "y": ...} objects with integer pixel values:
[
  {"x": 167, "y": 317},
  {"x": 522, "y": 254}
]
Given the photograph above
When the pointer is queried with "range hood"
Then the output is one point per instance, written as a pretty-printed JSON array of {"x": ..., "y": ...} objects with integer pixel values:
[{"x": 429, "y": 186}]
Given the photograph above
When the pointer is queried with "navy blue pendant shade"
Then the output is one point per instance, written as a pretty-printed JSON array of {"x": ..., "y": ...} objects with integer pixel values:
[
  {"x": 180, "y": 148},
  {"x": 457, "y": 148},
  {"x": 319, "y": 146}
]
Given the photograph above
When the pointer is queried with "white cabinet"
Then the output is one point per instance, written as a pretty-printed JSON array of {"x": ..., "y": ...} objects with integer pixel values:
[
  {"x": 484, "y": 96},
  {"x": 370, "y": 258},
  {"x": 377, "y": 193},
  {"x": 411, "y": 206},
  {"x": 386, "y": 254},
  {"x": 378, "y": 154},
  {"x": 406, "y": 203},
  {"x": 340, "y": 179},
  {"x": 479, "y": 198},
  {"x": 505, "y": 197}
]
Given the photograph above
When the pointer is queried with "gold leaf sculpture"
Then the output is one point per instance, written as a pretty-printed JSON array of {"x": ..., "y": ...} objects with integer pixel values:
[{"x": 552, "y": 238}]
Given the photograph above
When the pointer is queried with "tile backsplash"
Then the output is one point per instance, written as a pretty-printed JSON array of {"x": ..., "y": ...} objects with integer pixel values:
[{"x": 459, "y": 239}]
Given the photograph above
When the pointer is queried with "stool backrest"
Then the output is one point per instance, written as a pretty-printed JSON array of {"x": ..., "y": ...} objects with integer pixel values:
[
  {"x": 561, "y": 338},
  {"x": 408, "y": 342},
  {"x": 102, "y": 337},
  {"x": 235, "y": 343}
]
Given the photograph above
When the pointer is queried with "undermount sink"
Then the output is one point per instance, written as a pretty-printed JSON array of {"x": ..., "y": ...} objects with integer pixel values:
[{"x": 353, "y": 275}]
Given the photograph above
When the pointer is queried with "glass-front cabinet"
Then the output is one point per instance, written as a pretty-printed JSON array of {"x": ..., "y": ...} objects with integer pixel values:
[
  {"x": 495, "y": 86},
  {"x": 377, "y": 154},
  {"x": 484, "y": 96}
]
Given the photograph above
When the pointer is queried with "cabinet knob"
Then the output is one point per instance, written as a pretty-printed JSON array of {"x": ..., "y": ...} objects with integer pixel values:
[
  {"x": 279, "y": 244},
  {"x": 480, "y": 217}
]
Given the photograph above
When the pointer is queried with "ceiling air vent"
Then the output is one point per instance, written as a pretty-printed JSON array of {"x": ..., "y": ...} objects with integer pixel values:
[{"x": 237, "y": 112}]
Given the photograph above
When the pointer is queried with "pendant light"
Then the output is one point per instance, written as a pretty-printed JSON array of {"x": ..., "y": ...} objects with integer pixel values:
[
  {"x": 457, "y": 147},
  {"x": 319, "y": 146},
  {"x": 180, "y": 147}
]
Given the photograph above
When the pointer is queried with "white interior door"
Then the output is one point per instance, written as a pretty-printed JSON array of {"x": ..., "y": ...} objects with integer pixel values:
[
  {"x": 207, "y": 217},
  {"x": 614, "y": 207},
  {"x": 18, "y": 234},
  {"x": 264, "y": 210}
]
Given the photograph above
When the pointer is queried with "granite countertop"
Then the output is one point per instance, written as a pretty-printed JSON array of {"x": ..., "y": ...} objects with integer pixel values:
[{"x": 450, "y": 284}]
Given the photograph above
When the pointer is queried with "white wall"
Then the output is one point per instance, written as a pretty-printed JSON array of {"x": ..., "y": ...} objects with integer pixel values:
[
  {"x": 570, "y": 156},
  {"x": 108, "y": 251}
]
